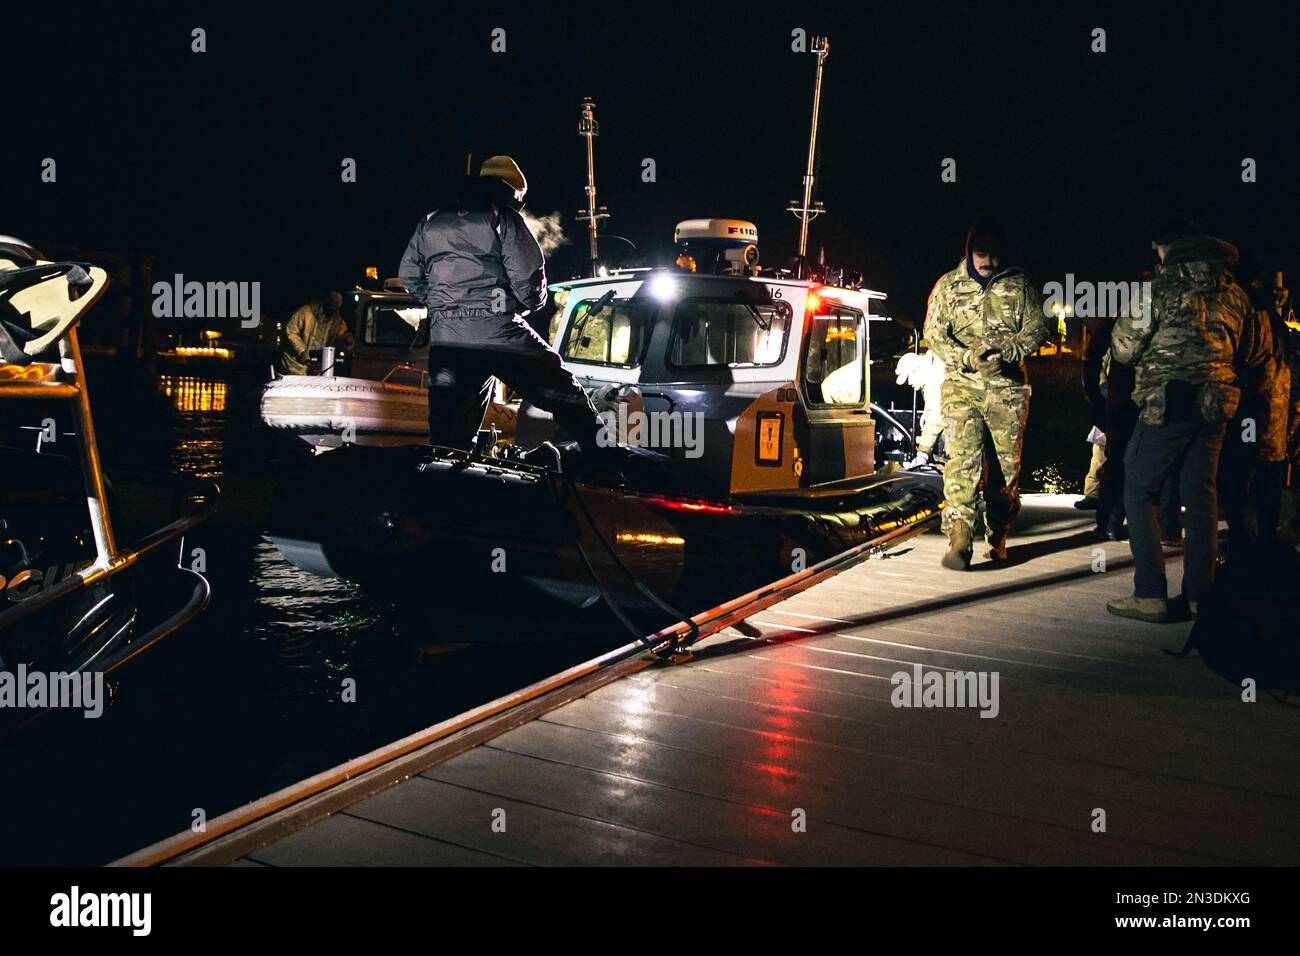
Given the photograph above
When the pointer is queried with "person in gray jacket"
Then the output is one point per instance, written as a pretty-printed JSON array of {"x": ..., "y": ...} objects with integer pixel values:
[{"x": 476, "y": 266}]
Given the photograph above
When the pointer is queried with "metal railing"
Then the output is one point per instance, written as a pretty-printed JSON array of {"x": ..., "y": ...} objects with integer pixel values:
[{"x": 41, "y": 381}]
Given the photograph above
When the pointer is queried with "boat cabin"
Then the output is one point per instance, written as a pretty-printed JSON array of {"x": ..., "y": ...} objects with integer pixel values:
[
  {"x": 390, "y": 330},
  {"x": 752, "y": 384}
]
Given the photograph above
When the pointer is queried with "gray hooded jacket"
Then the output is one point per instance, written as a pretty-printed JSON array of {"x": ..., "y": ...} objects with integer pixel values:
[{"x": 463, "y": 253}]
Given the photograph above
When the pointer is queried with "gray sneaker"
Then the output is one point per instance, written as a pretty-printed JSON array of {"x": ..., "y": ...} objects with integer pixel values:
[{"x": 1151, "y": 610}]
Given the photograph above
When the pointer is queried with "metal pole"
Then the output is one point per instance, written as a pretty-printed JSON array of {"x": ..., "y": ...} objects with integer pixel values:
[
  {"x": 591, "y": 193},
  {"x": 92, "y": 469},
  {"x": 916, "y": 349},
  {"x": 590, "y": 129},
  {"x": 822, "y": 47}
]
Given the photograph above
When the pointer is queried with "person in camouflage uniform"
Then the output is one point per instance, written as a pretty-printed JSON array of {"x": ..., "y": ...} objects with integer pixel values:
[
  {"x": 983, "y": 319},
  {"x": 1182, "y": 340}
]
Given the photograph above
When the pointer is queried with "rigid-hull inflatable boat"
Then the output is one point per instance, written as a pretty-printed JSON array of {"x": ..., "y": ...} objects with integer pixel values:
[{"x": 756, "y": 389}]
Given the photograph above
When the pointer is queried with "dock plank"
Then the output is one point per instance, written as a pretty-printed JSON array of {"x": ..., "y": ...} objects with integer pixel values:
[
  {"x": 346, "y": 840},
  {"x": 527, "y": 830},
  {"x": 733, "y": 816},
  {"x": 848, "y": 803}
]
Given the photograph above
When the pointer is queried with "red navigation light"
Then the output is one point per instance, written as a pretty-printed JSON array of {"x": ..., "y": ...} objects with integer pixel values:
[
  {"x": 814, "y": 302},
  {"x": 682, "y": 504}
]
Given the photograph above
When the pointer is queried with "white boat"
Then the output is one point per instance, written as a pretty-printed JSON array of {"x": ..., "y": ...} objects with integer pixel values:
[
  {"x": 328, "y": 411},
  {"x": 375, "y": 394}
]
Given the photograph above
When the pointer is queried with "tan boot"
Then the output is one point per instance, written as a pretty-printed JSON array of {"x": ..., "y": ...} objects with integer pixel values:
[
  {"x": 960, "y": 547},
  {"x": 1151, "y": 610},
  {"x": 997, "y": 549}
]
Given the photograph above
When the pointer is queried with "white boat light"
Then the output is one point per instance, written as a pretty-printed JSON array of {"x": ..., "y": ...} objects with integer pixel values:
[{"x": 662, "y": 286}]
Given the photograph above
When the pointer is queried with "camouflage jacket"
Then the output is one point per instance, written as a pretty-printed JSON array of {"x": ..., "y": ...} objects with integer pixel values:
[
  {"x": 964, "y": 320},
  {"x": 1186, "y": 329}
]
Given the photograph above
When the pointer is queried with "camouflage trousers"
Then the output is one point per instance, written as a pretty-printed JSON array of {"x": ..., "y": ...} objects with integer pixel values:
[{"x": 984, "y": 432}]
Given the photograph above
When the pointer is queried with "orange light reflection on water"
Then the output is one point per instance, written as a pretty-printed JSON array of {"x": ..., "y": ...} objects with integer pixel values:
[{"x": 192, "y": 394}]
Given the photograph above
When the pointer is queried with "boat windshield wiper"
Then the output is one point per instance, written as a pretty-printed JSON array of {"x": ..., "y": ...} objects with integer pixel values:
[
  {"x": 597, "y": 307},
  {"x": 764, "y": 323}
]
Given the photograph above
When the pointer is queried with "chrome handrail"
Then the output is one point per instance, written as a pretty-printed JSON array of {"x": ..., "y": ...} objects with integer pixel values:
[
  {"x": 96, "y": 572},
  {"x": 195, "y": 606}
]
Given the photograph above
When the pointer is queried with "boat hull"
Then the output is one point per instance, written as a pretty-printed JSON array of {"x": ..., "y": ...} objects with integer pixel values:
[
  {"x": 329, "y": 411},
  {"x": 445, "y": 538}
]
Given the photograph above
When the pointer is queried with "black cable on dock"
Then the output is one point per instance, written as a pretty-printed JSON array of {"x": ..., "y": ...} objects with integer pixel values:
[{"x": 693, "y": 629}]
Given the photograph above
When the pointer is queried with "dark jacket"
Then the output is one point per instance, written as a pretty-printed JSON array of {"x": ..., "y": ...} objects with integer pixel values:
[
  {"x": 1265, "y": 379},
  {"x": 465, "y": 251},
  {"x": 1096, "y": 347},
  {"x": 1187, "y": 331}
]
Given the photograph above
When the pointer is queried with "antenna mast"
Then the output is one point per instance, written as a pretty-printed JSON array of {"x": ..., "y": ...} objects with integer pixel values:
[
  {"x": 589, "y": 129},
  {"x": 808, "y": 210}
]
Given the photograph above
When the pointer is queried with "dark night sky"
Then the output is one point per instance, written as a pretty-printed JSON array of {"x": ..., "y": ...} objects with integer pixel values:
[{"x": 226, "y": 164}]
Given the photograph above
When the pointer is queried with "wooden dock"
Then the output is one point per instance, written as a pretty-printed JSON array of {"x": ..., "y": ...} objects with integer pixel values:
[{"x": 779, "y": 744}]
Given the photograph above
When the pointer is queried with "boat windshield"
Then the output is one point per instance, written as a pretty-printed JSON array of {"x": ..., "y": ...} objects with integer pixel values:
[
  {"x": 833, "y": 368},
  {"x": 401, "y": 325},
  {"x": 607, "y": 331},
  {"x": 730, "y": 332}
]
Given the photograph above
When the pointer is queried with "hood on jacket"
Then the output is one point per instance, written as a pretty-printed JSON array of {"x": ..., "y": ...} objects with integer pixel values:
[
  {"x": 986, "y": 236},
  {"x": 1201, "y": 248}
]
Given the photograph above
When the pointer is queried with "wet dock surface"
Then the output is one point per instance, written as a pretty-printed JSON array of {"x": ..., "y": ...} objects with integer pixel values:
[{"x": 781, "y": 745}]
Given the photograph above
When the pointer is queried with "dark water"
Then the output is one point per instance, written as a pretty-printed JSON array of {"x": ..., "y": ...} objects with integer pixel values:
[{"x": 249, "y": 698}]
